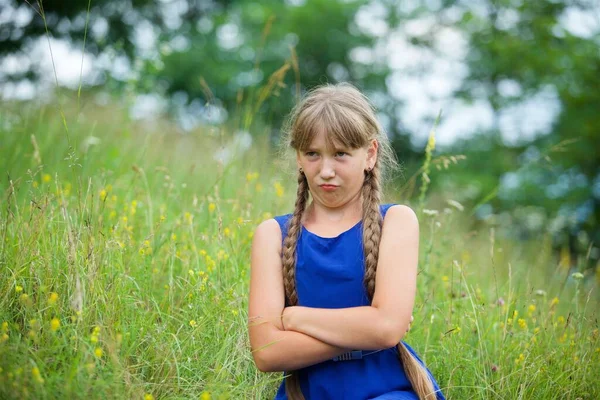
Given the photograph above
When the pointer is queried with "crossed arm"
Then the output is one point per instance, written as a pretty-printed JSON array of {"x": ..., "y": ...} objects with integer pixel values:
[{"x": 313, "y": 335}]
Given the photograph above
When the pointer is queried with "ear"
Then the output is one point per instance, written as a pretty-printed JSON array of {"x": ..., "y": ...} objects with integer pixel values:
[
  {"x": 298, "y": 166},
  {"x": 372, "y": 152}
]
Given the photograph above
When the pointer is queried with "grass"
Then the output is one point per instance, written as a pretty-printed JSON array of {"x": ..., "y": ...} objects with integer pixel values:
[{"x": 125, "y": 267}]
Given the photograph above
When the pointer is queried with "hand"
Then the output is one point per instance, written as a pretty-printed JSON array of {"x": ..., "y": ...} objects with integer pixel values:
[
  {"x": 286, "y": 318},
  {"x": 410, "y": 323}
]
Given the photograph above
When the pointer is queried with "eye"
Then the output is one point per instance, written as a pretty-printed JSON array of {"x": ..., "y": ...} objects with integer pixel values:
[
  {"x": 310, "y": 153},
  {"x": 341, "y": 153}
]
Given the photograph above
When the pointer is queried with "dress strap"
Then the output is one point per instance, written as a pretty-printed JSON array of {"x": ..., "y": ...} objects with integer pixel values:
[
  {"x": 283, "y": 221},
  {"x": 384, "y": 207}
]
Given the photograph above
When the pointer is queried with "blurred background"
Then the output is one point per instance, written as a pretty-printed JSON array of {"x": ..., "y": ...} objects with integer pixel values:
[{"x": 517, "y": 84}]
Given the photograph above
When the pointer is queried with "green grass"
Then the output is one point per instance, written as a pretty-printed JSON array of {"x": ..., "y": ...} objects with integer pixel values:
[{"x": 124, "y": 271}]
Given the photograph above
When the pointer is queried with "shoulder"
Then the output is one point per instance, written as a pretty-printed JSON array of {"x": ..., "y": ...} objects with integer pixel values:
[
  {"x": 268, "y": 229},
  {"x": 400, "y": 216},
  {"x": 267, "y": 238}
]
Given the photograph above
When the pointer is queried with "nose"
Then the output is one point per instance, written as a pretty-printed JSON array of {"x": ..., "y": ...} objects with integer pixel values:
[{"x": 327, "y": 169}]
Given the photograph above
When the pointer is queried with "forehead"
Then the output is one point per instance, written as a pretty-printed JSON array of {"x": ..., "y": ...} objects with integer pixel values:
[{"x": 321, "y": 141}]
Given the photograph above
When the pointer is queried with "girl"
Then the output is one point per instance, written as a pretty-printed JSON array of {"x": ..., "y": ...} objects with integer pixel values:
[{"x": 339, "y": 273}]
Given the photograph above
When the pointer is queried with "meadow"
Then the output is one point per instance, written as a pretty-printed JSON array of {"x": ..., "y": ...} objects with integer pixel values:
[{"x": 125, "y": 257}]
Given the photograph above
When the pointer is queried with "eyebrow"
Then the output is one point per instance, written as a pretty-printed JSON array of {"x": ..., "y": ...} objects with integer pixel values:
[{"x": 336, "y": 149}]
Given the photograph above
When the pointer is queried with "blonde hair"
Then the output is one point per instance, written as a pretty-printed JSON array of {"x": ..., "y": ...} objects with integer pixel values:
[{"x": 351, "y": 121}]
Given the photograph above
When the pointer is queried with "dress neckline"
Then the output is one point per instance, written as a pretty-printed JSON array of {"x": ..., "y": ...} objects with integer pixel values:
[{"x": 332, "y": 237}]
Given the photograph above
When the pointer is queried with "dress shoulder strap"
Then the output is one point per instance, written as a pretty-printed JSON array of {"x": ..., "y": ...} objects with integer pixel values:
[
  {"x": 384, "y": 207},
  {"x": 283, "y": 221}
]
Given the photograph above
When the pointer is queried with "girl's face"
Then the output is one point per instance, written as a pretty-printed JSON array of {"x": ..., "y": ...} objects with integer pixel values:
[{"x": 341, "y": 167}]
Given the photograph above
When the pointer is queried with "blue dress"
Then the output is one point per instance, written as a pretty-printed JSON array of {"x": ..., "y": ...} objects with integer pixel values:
[{"x": 329, "y": 274}]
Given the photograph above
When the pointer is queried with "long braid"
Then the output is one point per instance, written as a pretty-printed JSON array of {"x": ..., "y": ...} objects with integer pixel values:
[
  {"x": 416, "y": 374},
  {"x": 292, "y": 382},
  {"x": 372, "y": 222}
]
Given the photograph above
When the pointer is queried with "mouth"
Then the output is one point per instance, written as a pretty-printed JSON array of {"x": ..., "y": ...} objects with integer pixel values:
[{"x": 328, "y": 187}]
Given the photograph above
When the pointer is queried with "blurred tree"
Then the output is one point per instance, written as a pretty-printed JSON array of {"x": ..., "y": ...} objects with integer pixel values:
[
  {"x": 525, "y": 44},
  {"x": 211, "y": 51}
]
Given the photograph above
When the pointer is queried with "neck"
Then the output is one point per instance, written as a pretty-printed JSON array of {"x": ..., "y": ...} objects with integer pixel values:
[{"x": 350, "y": 211}]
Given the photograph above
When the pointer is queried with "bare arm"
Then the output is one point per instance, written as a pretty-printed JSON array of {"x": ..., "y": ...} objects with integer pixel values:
[
  {"x": 384, "y": 323},
  {"x": 273, "y": 348}
]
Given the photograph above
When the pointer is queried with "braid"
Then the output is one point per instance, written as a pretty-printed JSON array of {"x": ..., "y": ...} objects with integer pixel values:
[
  {"x": 416, "y": 374},
  {"x": 289, "y": 244},
  {"x": 371, "y": 226},
  {"x": 292, "y": 383}
]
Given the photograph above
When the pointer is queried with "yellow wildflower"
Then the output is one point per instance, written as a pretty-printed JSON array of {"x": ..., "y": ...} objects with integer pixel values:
[
  {"x": 258, "y": 187},
  {"x": 46, "y": 178},
  {"x": 98, "y": 352},
  {"x": 278, "y": 189},
  {"x": 531, "y": 308},
  {"x": 445, "y": 278},
  {"x": 554, "y": 302},
  {"x": 227, "y": 232},
  {"x": 162, "y": 218},
  {"x": 205, "y": 396},
  {"x": 202, "y": 252},
  {"x": 522, "y": 323},
  {"x": 35, "y": 372},
  {"x": 103, "y": 195},
  {"x": 173, "y": 237},
  {"x": 222, "y": 255},
  {"x": 54, "y": 324},
  {"x": 520, "y": 359},
  {"x": 148, "y": 396},
  {"x": 212, "y": 207},
  {"x": 18, "y": 289},
  {"x": 3, "y": 338},
  {"x": 563, "y": 338},
  {"x": 251, "y": 176},
  {"x": 52, "y": 298},
  {"x": 193, "y": 323},
  {"x": 5, "y": 326}
]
